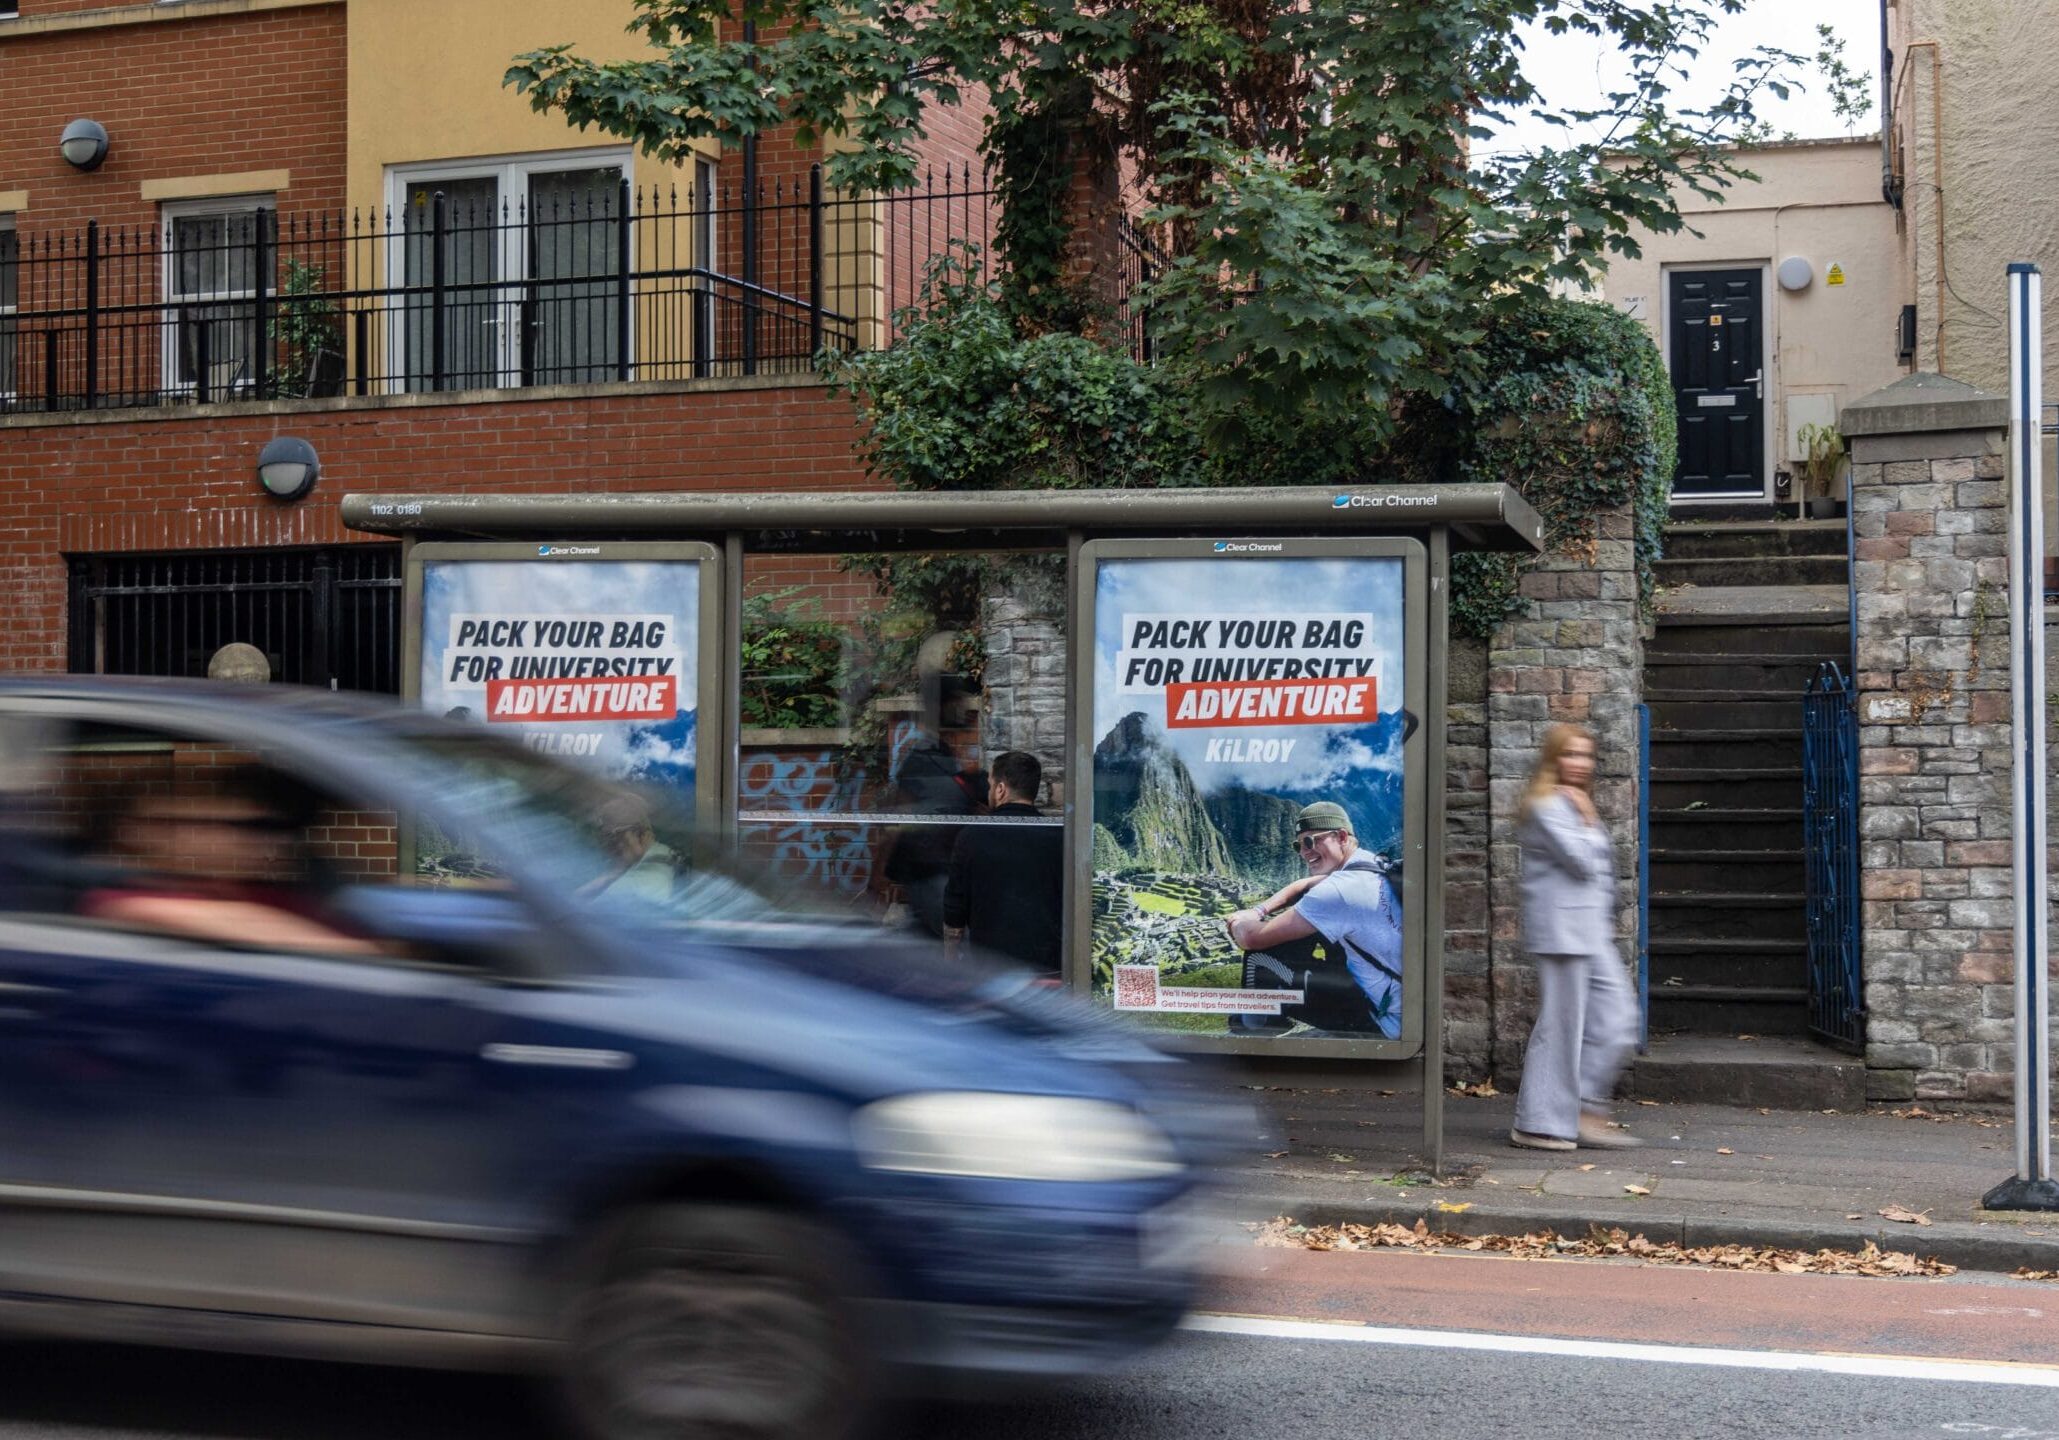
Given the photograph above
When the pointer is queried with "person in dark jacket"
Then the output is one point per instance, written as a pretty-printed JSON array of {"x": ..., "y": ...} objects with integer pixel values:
[{"x": 1006, "y": 890}]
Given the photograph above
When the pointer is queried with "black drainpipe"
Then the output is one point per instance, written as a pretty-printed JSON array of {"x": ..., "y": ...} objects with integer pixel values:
[{"x": 1890, "y": 187}]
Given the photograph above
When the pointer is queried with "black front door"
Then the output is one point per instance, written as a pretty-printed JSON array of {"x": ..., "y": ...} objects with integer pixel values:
[{"x": 1718, "y": 381}]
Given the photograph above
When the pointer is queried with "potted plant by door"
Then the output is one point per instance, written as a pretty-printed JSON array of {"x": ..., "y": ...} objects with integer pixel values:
[{"x": 1823, "y": 459}]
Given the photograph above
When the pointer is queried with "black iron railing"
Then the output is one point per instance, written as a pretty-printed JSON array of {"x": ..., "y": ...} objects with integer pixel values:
[
  {"x": 1830, "y": 833},
  {"x": 328, "y": 617},
  {"x": 443, "y": 294}
]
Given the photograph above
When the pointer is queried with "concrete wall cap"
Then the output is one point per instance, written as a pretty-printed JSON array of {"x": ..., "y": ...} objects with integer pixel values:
[{"x": 1922, "y": 402}]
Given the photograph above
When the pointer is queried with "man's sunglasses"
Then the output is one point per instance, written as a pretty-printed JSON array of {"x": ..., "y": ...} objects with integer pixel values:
[{"x": 1305, "y": 843}]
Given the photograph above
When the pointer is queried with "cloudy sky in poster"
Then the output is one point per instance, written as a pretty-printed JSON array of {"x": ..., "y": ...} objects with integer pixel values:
[
  {"x": 1272, "y": 587},
  {"x": 661, "y": 751}
]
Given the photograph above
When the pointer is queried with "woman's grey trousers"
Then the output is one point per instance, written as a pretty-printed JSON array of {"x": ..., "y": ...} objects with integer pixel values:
[{"x": 1586, "y": 1026}]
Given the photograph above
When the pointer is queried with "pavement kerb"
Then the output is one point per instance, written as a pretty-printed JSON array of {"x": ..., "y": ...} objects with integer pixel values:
[{"x": 1964, "y": 1244}]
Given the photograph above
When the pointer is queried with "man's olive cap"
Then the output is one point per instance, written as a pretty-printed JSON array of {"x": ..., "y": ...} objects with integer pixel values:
[{"x": 1323, "y": 815}]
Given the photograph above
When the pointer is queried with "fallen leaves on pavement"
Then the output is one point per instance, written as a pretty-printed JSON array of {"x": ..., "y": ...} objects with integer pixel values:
[
  {"x": 2037, "y": 1274},
  {"x": 1483, "y": 1090},
  {"x": 1636, "y": 1190},
  {"x": 1283, "y": 1233},
  {"x": 1902, "y": 1214},
  {"x": 1946, "y": 1117},
  {"x": 1725, "y": 1150}
]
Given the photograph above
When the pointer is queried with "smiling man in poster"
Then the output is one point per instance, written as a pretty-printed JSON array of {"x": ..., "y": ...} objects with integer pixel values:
[
  {"x": 1248, "y": 786},
  {"x": 1345, "y": 902}
]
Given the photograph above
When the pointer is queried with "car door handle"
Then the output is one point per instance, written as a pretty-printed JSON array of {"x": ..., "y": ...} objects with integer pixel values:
[{"x": 562, "y": 1056}]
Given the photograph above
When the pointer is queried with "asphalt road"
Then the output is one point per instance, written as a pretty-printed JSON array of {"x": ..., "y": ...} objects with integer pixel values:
[{"x": 1726, "y": 1355}]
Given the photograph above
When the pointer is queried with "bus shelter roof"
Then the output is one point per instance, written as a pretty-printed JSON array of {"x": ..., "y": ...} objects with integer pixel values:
[{"x": 1480, "y": 517}]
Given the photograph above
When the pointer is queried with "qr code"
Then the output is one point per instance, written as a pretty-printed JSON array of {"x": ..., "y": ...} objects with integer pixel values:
[{"x": 1136, "y": 987}]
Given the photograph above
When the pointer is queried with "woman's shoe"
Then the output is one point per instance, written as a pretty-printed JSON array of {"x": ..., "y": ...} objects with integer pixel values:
[
  {"x": 1597, "y": 1134},
  {"x": 1539, "y": 1142}
]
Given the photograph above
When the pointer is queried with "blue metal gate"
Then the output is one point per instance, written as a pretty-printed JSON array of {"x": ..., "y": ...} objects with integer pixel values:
[
  {"x": 1643, "y": 879},
  {"x": 1830, "y": 836}
]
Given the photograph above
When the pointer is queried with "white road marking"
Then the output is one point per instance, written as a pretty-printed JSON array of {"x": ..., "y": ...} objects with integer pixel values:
[{"x": 1893, "y": 1367}]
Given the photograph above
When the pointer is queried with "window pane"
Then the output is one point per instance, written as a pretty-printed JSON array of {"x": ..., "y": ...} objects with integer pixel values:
[
  {"x": 214, "y": 254},
  {"x": 10, "y": 291},
  {"x": 471, "y": 273},
  {"x": 182, "y": 835},
  {"x": 574, "y": 235},
  {"x": 215, "y": 257}
]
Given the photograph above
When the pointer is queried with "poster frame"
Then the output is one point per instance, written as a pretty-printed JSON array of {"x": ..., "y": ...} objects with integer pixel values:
[
  {"x": 711, "y": 732},
  {"x": 1417, "y": 973}
]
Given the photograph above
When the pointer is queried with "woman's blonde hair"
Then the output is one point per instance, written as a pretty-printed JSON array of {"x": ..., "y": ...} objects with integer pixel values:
[{"x": 1544, "y": 780}]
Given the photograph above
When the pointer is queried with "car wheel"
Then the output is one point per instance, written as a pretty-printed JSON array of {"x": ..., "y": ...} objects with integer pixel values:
[{"x": 716, "y": 1322}]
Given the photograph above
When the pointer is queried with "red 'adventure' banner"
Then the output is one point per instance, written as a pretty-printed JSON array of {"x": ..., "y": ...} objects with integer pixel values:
[
  {"x": 1271, "y": 702},
  {"x": 652, "y": 697}
]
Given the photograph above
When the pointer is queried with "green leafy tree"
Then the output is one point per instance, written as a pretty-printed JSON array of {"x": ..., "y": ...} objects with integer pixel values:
[
  {"x": 1335, "y": 240},
  {"x": 1851, "y": 93}
]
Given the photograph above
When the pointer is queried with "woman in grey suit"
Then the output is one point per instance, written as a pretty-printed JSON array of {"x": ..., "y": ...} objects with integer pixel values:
[{"x": 1586, "y": 1020}]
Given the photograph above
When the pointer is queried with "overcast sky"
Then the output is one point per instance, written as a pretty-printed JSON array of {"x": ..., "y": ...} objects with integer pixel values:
[{"x": 1572, "y": 70}]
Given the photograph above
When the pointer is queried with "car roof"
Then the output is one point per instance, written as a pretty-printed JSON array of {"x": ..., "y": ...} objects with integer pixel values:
[{"x": 303, "y": 702}]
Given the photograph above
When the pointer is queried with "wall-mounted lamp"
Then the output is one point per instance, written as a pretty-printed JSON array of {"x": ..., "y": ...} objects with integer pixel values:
[
  {"x": 288, "y": 467},
  {"x": 1795, "y": 273},
  {"x": 83, "y": 144}
]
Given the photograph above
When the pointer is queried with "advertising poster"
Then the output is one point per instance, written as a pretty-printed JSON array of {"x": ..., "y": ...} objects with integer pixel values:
[
  {"x": 1248, "y": 734},
  {"x": 595, "y": 661}
]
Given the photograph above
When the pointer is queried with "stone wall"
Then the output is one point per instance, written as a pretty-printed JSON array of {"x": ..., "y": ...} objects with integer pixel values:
[
  {"x": 1025, "y": 682},
  {"x": 1576, "y": 653},
  {"x": 1930, "y": 575},
  {"x": 1468, "y": 991}
]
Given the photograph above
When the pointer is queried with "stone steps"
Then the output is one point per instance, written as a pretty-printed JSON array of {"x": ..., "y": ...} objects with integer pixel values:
[
  {"x": 1771, "y": 1072},
  {"x": 1754, "y": 611},
  {"x": 1754, "y": 540}
]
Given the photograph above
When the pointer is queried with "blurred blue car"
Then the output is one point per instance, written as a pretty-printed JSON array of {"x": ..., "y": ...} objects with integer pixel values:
[{"x": 326, "y": 1034}]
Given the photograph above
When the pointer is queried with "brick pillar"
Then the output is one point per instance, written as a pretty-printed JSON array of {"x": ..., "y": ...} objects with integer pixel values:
[
  {"x": 1575, "y": 653},
  {"x": 1930, "y": 578}
]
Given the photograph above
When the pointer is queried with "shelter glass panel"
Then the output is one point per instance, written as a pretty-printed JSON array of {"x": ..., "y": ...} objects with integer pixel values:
[{"x": 878, "y": 695}]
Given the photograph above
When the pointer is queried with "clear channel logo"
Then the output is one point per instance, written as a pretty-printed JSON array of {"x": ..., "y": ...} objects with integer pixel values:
[
  {"x": 1248, "y": 547},
  {"x": 1388, "y": 501},
  {"x": 548, "y": 551}
]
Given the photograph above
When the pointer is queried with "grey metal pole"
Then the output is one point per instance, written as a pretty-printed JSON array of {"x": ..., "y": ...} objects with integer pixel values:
[{"x": 2032, "y": 1187}]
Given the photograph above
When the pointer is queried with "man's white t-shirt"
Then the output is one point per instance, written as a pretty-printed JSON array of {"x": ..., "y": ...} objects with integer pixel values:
[{"x": 1356, "y": 908}]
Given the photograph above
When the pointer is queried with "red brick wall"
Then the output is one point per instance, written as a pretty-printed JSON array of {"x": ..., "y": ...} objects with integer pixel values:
[
  {"x": 208, "y": 96},
  {"x": 191, "y": 482},
  {"x": 69, "y": 7}
]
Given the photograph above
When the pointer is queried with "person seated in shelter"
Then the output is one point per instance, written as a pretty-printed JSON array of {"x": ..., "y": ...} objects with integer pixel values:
[
  {"x": 223, "y": 864},
  {"x": 640, "y": 866}
]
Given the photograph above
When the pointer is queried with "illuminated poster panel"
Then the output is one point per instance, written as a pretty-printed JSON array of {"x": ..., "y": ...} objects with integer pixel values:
[{"x": 1256, "y": 801}]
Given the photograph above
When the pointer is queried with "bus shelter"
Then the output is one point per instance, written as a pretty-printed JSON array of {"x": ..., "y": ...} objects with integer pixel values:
[{"x": 1221, "y": 685}]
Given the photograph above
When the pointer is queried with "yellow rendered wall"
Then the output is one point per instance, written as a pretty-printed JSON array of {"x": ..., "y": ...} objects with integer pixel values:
[{"x": 425, "y": 82}]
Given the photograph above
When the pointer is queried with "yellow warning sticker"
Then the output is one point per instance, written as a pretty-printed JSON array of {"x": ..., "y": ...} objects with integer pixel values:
[{"x": 1835, "y": 275}]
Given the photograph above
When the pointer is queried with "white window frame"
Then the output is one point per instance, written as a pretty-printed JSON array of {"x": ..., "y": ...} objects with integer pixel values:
[
  {"x": 169, "y": 213},
  {"x": 513, "y": 173},
  {"x": 8, "y": 226}
]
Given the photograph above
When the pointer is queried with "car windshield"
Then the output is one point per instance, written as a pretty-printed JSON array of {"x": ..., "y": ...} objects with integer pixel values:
[{"x": 500, "y": 807}]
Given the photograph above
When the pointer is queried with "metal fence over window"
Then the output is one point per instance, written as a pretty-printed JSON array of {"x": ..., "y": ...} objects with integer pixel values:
[
  {"x": 326, "y": 617},
  {"x": 453, "y": 289}
]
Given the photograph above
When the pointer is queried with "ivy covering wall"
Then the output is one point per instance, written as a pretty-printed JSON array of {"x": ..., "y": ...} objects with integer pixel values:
[{"x": 1571, "y": 405}]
